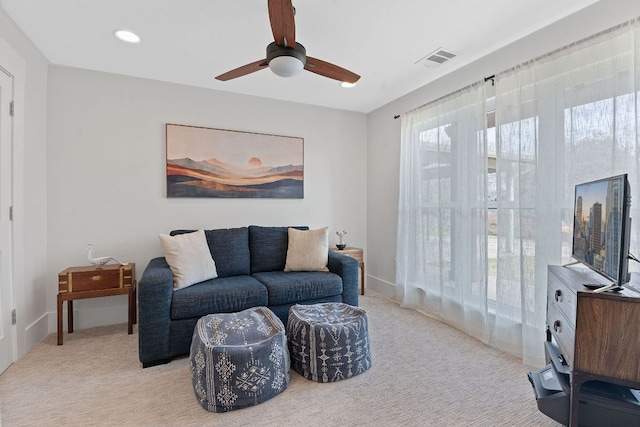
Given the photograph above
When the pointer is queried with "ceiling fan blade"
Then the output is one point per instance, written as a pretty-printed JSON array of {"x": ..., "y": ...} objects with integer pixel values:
[
  {"x": 244, "y": 70},
  {"x": 283, "y": 26},
  {"x": 327, "y": 69}
]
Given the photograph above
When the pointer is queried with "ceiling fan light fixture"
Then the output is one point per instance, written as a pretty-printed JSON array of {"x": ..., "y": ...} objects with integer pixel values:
[
  {"x": 347, "y": 84},
  {"x": 286, "y": 66},
  {"x": 286, "y": 61},
  {"x": 127, "y": 36}
]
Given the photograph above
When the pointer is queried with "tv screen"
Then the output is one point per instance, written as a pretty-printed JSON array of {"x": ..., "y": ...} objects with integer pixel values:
[{"x": 601, "y": 227}]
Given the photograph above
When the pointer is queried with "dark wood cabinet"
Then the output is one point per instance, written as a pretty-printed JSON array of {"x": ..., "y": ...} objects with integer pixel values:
[
  {"x": 92, "y": 282},
  {"x": 592, "y": 336}
]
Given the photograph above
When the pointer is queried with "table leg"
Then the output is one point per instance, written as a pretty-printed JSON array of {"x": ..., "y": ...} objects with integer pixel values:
[
  {"x": 130, "y": 316},
  {"x": 59, "y": 320},
  {"x": 70, "y": 316},
  {"x": 135, "y": 306},
  {"x": 362, "y": 279}
]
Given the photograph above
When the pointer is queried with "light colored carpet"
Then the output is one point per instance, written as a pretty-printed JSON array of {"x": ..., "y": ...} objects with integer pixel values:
[{"x": 424, "y": 373}]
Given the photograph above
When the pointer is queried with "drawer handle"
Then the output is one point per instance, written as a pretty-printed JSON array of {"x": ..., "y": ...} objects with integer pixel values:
[
  {"x": 556, "y": 326},
  {"x": 96, "y": 278},
  {"x": 558, "y": 295}
]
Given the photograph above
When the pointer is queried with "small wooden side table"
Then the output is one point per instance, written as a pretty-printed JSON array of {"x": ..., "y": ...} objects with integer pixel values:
[
  {"x": 358, "y": 254},
  {"x": 92, "y": 282}
]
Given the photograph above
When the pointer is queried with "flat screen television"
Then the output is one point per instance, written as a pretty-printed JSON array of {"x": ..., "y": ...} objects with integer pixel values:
[{"x": 602, "y": 227}]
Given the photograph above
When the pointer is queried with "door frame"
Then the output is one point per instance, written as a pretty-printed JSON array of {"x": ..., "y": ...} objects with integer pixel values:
[{"x": 14, "y": 64}]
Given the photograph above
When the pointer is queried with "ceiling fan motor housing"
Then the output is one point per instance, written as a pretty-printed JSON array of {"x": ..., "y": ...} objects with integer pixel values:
[{"x": 281, "y": 59}]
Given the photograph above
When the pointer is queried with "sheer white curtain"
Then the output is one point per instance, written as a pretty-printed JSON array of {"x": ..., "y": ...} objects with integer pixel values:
[
  {"x": 442, "y": 227},
  {"x": 567, "y": 118}
]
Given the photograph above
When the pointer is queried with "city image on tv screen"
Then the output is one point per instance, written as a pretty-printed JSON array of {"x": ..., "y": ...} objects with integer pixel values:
[{"x": 600, "y": 227}]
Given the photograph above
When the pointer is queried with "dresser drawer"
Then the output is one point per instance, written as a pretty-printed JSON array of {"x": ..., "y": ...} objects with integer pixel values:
[
  {"x": 83, "y": 279},
  {"x": 563, "y": 298},
  {"x": 562, "y": 330}
]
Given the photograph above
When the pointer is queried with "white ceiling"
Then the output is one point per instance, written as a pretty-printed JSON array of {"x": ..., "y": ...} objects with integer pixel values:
[{"x": 192, "y": 41}]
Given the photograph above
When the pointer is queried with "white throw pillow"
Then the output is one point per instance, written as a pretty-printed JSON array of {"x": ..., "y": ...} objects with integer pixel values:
[
  {"x": 308, "y": 250},
  {"x": 189, "y": 257}
]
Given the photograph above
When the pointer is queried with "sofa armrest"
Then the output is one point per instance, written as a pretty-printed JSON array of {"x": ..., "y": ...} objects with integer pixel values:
[
  {"x": 155, "y": 290},
  {"x": 347, "y": 268}
]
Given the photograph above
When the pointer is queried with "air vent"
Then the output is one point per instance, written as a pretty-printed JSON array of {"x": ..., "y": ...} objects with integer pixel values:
[{"x": 437, "y": 57}]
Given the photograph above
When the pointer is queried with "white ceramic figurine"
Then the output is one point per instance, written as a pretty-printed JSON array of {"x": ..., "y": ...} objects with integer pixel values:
[{"x": 100, "y": 261}]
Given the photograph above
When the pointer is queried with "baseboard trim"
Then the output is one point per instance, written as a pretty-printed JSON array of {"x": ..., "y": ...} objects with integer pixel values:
[
  {"x": 381, "y": 287},
  {"x": 35, "y": 333}
]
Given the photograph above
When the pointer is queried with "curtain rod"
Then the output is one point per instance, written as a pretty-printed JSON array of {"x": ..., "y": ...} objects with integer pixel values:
[
  {"x": 440, "y": 99},
  {"x": 535, "y": 59}
]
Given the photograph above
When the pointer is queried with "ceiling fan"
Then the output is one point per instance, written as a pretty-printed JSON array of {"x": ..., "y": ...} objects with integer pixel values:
[{"x": 285, "y": 57}]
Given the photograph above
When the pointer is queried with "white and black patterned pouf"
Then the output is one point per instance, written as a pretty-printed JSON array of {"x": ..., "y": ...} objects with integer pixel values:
[
  {"x": 238, "y": 359},
  {"x": 328, "y": 342}
]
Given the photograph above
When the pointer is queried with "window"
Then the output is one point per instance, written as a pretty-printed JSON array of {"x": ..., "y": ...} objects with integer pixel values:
[{"x": 486, "y": 185}]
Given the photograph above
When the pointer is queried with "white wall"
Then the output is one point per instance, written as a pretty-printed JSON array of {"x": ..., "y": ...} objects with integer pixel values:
[
  {"x": 30, "y": 197},
  {"x": 384, "y": 132},
  {"x": 106, "y": 171}
]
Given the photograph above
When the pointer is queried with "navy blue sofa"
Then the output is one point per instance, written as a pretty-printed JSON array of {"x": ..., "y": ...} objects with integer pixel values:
[{"x": 250, "y": 264}]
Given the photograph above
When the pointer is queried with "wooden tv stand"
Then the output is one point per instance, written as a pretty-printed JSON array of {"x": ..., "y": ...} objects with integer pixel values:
[{"x": 597, "y": 334}]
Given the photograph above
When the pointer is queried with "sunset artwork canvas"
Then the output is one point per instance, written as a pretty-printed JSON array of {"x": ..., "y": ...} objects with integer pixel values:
[{"x": 204, "y": 162}]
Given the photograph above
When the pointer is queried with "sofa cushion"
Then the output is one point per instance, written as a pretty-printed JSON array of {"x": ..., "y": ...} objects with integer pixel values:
[
  {"x": 222, "y": 295},
  {"x": 229, "y": 248},
  {"x": 268, "y": 247},
  {"x": 294, "y": 286},
  {"x": 308, "y": 250},
  {"x": 189, "y": 258}
]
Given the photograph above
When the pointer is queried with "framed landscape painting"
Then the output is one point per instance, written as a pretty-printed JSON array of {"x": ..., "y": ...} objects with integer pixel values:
[{"x": 204, "y": 162}]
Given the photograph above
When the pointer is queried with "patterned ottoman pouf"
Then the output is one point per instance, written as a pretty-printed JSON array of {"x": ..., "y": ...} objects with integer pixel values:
[
  {"x": 328, "y": 342},
  {"x": 238, "y": 359}
]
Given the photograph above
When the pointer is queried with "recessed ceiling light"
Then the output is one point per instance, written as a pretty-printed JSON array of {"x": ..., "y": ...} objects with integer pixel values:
[
  {"x": 347, "y": 84},
  {"x": 127, "y": 36}
]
